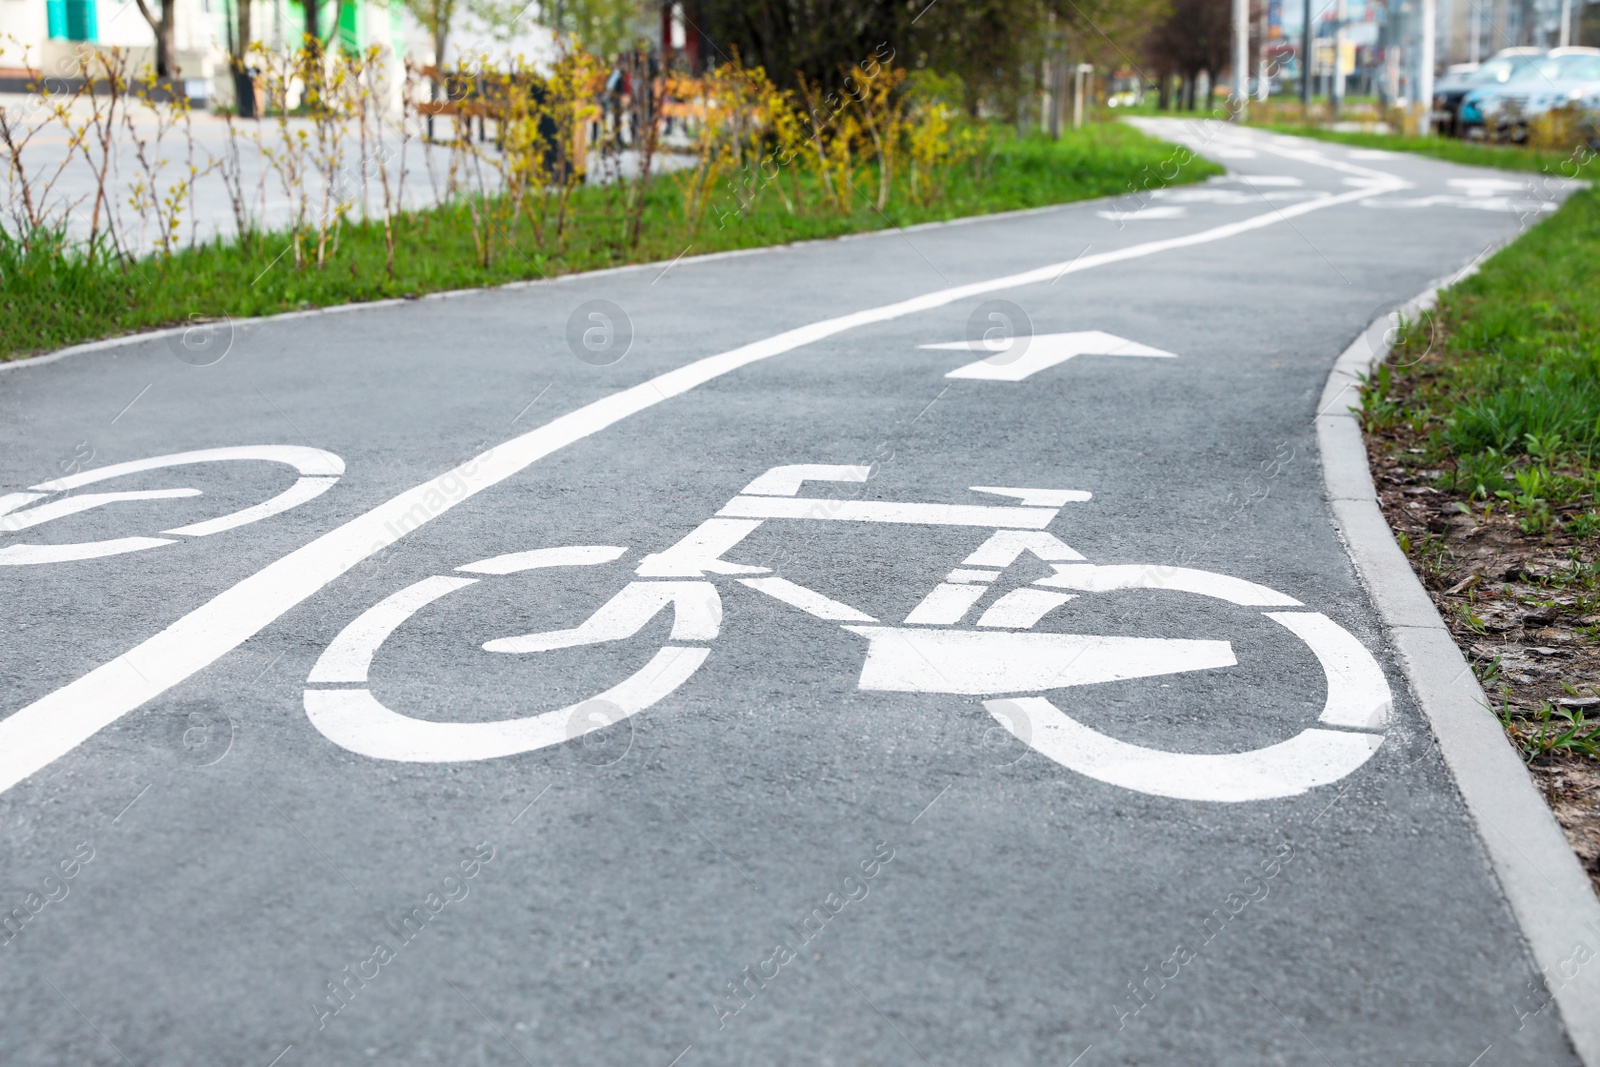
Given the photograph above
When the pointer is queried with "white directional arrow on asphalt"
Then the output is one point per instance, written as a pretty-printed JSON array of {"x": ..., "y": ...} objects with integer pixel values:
[{"x": 1016, "y": 358}]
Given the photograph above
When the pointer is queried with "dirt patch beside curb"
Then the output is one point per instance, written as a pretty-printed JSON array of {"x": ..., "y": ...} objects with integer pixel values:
[{"x": 1515, "y": 604}]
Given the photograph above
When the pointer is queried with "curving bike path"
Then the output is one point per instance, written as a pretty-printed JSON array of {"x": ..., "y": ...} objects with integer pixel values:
[{"x": 928, "y": 647}]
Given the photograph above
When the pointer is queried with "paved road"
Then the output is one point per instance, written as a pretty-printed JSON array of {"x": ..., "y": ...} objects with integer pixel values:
[{"x": 869, "y": 768}]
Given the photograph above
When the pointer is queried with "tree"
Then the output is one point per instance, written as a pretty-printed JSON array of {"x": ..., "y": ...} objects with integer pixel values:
[
  {"x": 238, "y": 51},
  {"x": 994, "y": 46},
  {"x": 1195, "y": 36},
  {"x": 603, "y": 27},
  {"x": 435, "y": 17},
  {"x": 503, "y": 18},
  {"x": 165, "y": 29}
]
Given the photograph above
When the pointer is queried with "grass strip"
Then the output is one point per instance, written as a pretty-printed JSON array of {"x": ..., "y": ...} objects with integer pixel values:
[
  {"x": 1484, "y": 435},
  {"x": 1474, "y": 153},
  {"x": 49, "y": 298}
]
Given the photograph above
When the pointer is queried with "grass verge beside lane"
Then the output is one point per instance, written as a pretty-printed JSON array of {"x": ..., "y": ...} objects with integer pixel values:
[
  {"x": 48, "y": 301},
  {"x": 1451, "y": 150},
  {"x": 1484, "y": 436}
]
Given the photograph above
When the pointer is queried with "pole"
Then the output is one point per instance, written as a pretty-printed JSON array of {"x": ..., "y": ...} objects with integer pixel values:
[
  {"x": 1338, "y": 56},
  {"x": 1305, "y": 64},
  {"x": 1058, "y": 88},
  {"x": 1566, "y": 23},
  {"x": 1262, "y": 81},
  {"x": 1241, "y": 60},
  {"x": 1430, "y": 11}
]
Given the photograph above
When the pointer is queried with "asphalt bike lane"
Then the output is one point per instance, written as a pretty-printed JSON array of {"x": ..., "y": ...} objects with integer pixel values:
[{"x": 973, "y": 678}]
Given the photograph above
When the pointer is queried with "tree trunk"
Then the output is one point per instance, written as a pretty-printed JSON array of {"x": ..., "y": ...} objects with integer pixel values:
[
  {"x": 163, "y": 29},
  {"x": 1164, "y": 92},
  {"x": 244, "y": 90},
  {"x": 243, "y": 38},
  {"x": 166, "y": 66}
]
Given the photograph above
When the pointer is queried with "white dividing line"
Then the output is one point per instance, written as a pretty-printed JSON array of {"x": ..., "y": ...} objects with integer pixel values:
[{"x": 44, "y": 731}]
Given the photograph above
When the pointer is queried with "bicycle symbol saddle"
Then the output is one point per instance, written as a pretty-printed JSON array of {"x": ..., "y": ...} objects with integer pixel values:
[{"x": 999, "y": 657}]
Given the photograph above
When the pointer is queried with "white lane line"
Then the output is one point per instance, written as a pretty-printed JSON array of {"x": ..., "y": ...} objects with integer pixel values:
[
  {"x": 35, "y": 736},
  {"x": 1269, "y": 179}
]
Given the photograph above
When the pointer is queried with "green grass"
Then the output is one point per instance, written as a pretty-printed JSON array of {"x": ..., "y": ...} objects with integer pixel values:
[
  {"x": 48, "y": 300},
  {"x": 1502, "y": 390},
  {"x": 1493, "y": 402},
  {"x": 1451, "y": 150}
]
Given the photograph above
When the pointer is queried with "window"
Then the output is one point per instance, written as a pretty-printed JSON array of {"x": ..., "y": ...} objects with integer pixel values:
[{"x": 72, "y": 20}]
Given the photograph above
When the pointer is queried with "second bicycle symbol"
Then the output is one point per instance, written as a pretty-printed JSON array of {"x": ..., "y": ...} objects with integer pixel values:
[{"x": 965, "y": 637}]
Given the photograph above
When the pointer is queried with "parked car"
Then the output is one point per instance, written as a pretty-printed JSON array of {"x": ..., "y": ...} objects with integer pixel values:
[
  {"x": 1562, "y": 76},
  {"x": 1458, "y": 81}
]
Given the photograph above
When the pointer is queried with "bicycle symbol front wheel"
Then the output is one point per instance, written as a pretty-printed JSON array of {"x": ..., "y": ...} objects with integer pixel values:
[{"x": 355, "y": 719}]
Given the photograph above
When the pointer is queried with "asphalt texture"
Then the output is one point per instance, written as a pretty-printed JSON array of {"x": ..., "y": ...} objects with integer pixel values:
[{"x": 769, "y": 863}]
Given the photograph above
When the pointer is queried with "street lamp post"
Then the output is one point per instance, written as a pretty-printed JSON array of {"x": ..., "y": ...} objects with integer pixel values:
[
  {"x": 1430, "y": 10},
  {"x": 1338, "y": 56},
  {"x": 1241, "y": 58},
  {"x": 1305, "y": 64}
]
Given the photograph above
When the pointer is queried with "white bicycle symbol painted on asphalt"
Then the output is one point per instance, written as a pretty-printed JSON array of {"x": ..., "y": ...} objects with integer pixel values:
[
  {"x": 317, "y": 470},
  {"x": 1000, "y": 658}
]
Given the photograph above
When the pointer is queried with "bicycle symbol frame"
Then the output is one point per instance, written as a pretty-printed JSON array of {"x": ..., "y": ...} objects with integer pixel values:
[{"x": 1000, "y": 658}]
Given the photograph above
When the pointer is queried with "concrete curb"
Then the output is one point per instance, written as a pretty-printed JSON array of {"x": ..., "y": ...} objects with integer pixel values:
[{"x": 1549, "y": 893}]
